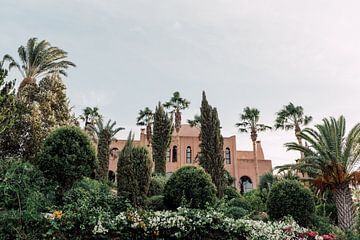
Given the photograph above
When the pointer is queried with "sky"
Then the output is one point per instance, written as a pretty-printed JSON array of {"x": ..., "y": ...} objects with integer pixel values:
[{"x": 131, "y": 54}]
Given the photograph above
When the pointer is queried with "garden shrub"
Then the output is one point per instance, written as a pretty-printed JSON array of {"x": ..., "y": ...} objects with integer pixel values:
[
  {"x": 231, "y": 192},
  {"x": 229, "y": 180},
  {"x": 155, "y": 202},
  {"x": 236, "y": 212},
  {"x": 66, "y": 156},
  {"x": 190, "y": 185},
  {"x": 321, "y": 224},
  {"x": 84, "y": 204},
  {"x": 240, "y": 202},
  {"x": 327, "y": 210},
  {"x": 157, "y": 185},
  {"x": 22, "y": 200},
  {"x": 257, "y": 200},
  {"x": 289, "y": 197}
]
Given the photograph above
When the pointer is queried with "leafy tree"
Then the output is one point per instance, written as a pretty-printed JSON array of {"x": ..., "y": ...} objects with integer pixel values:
[
  {"x": 161, "y": 140},
  {"x": 146, "y": 118},
  {"x": 211, "y": 147},
  {"x": 39, "y": 59},
  {"x": 249, "y": 122},
  {"x": 66, "y": 156},
  {"x": 191, "y": 186},
  {"x": 90, "y": 116},
  {"x": 289, "y": 197},
  {"x": 41, "y": 108},
  {"x": 134, "y": 172},
  {"x": 292, "y": 117},
  {"x": 177, "y": 103},
  {"x": 7, "y": 99},
  {"x": 104, "y": 135},
  {"x": 334, "y": 157}
]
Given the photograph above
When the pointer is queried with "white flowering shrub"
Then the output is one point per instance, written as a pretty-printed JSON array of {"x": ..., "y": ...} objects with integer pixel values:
[{"x": 195, "y": 224}]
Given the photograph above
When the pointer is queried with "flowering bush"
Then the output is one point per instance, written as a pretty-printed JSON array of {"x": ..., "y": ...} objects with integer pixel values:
[{"x": 196, "y": 224}]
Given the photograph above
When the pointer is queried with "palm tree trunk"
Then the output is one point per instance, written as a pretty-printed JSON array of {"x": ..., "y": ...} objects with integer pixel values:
[
  {"x": 256, "y": 163},
  {"x": 345, "y": 206},
  {"x": 23, "y": 84},
  {"x": 297, "y": 132},
  {"x": 177, "y": 120},
  {"x": 148, "y": 133}
]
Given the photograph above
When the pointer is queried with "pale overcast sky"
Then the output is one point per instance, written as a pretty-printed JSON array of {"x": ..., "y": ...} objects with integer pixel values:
[{"x": 131, "y": 54}]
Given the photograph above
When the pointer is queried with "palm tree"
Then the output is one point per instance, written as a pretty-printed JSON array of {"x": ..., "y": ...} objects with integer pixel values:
[
  {"x": 39, "y": 59},
  {"x": 146, "y": 118},
  {"x": 249, "y": 123},
  {"x": 104, "y": 134},
  {"x": 177, "y": 103},
  {"x": 90, "y": 116},
  {"x": 195, "y": 122},
  {"x": 333, "y": 159},
  {"x": 292, "y": 117}
]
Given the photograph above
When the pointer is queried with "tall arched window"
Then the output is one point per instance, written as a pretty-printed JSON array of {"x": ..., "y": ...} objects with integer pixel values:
[
  {"x": 174, "y": 154},
  {"x": 227, "y": 156},
  {"x": 245, "y": 184},
  {"x": 188, "y": 154},
  {"x": 168, "y": 153}
]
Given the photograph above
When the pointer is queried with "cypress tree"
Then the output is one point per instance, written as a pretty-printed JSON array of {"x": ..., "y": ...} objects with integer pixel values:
[
  {"x": 162, "y": 132},
  {"x": 211, "y": 147},
  {"x": 134, "y": 172}
]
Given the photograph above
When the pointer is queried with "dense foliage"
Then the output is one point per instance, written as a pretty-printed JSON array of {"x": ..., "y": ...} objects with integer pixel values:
[
  {"x": 24, "y": 194},
  {"x": 66, "y": 156},
  {"x": 189, "y": 186},
  {"x": 289, "y": 197},
  {"x": 134, "y": 172},
  {"x": 161, "y": 139},
  {"x": 211, "y": 147}
]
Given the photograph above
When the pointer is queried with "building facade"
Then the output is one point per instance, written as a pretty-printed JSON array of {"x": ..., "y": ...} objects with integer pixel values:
[{"x": 184, "y": 150}]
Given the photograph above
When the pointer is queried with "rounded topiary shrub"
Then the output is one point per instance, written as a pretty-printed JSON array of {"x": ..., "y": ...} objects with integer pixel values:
[
  {"x": 157, "y": 185},
  {"x": 289, "y": 197},
  {"x": 155, "y": 203},
  {"x": 66, "y": 156},
  {"x": 189, "y": 186}
]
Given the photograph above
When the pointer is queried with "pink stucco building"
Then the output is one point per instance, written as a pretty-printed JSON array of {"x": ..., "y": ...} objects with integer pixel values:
[{"x": 184, "y": 149}]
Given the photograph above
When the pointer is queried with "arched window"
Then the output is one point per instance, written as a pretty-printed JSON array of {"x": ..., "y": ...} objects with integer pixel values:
[
  {"x": 227, "y": 156},
  {"x": 188, "y": 154},
  {"x": 168, "y": 153},
  {"x": 245, "y": 184},
  {"x": 174, "y": 154},
  {"x": 111, "y": 176}
]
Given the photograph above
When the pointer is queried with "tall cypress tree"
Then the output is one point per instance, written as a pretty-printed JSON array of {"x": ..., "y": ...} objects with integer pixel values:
[
  {"x": 134, "y": 172},
  {"x": 161, "y": 139},
  {"x": 211, "y": 147}
]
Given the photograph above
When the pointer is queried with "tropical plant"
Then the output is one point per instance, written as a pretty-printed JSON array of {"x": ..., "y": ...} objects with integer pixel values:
[
  {"x": 334, "y": 157},
  {"x": 90, "y": 116},
  {"x": 134, "y": 172},
  {"x": 39, "y": 59},
  {"x": 211, "y": 146},
  {"x": 292, "y": 117},
  {"x": 104, "y": 134},
  {"x": 190, "y": 186},
  {"x": 66, "y": 156},
  {"x": 146, "y": 118},
  {"x": 266, "y": 181},
  {"x": 249, "y": 122},
  {"x": 177, "y": 104},
  {"x": 163, "y": 128},
  {"x": 195, "y": 122}
]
